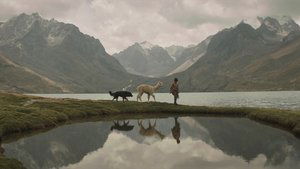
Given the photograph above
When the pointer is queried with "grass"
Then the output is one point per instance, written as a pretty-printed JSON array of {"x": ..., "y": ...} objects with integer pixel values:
[
  {"x": 20, "y": 113},
  {"x": 6, "y": 163}
]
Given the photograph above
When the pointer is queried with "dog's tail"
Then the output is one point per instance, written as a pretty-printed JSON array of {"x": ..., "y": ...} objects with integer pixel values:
[{"x": 110, "y": 93}]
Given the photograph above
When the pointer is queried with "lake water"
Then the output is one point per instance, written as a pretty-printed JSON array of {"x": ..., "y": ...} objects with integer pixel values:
[
  {"x": 280, "y": 99},
  {"x": 189, "y": 143}
]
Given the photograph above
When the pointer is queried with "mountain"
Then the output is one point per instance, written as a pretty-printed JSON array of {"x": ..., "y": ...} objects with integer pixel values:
[
  {"x": 73, "y": 61},
  {"x": 151, "y": 60},
  {"x": 146, "y": 59},
  {"x": 190, "y": 55},
  {"x": 276, "y": 28},
  {"x": 175, "y": 51},
  {"x": 59, "y": 147},
  {"x": 15, "y": 78},
  {"x": 231, "y": 135},
  {"x": 246, "y": 59}
]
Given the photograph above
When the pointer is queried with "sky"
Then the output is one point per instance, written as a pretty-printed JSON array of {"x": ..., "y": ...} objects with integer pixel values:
[
  {"x": 120, "y": 23},
  {"x": 120, "y": 151}
]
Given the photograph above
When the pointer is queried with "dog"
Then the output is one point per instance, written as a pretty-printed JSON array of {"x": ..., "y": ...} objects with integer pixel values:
[
  {"x": 122, "y": 127},
  {"x": 123, "y": 94}
]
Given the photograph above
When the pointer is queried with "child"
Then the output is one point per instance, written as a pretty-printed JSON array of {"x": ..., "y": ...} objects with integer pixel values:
[{"x": 174, "y": 90}]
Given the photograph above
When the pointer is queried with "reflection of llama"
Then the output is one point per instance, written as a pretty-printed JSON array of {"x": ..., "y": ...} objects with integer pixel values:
[
  {"x": 150, "y": 131},
  {"x": 121, "y": 127},
  {"x": 148, "y": 89}
]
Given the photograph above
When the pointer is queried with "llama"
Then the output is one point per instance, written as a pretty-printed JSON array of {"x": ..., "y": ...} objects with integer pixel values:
[
  {"x": 150, "y": 131},
  {"x": 148, "y": 89}
]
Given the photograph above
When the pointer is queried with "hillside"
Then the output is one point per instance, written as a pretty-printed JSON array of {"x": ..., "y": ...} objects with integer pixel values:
[
  {"x": 146, "y": 59},
  {"x": 243, "y": 59},
  {"x": 15, "y": 78},
  {"x": 61, "y": 53}
]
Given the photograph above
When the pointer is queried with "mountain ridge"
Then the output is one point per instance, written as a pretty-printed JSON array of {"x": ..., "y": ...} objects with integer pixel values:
[{"x": 62, "y": 53}]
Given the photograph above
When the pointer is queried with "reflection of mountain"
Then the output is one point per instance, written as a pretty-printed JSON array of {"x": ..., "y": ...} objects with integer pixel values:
[
  {"x": 242, "y": 137},
  {"x": 59, "y": 147},
  {"x": 233, "y": 136},
  {"x": 238, "y": 137}
]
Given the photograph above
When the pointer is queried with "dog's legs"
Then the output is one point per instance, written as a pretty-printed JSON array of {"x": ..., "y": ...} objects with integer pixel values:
[
  {"x": 148, "y": 97},
  {"x": 126, "y": 99},
  {"x": 117, "y": 98}
]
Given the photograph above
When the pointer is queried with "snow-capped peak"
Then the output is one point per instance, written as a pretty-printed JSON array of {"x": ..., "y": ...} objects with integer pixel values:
[
  {"x": 279, "y": 24},
  {"x": 283, "y": 19},
  {"x": 146, "y": 45}
]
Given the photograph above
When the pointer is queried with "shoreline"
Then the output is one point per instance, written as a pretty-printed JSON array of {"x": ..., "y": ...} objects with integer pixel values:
[
  {"x": 43, "y": 113},
  {"x": 22, "y": 115}
]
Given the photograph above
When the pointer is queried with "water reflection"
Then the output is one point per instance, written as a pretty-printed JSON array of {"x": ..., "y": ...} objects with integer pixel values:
[
  {"x": 151, "y": 131},
  {"x": 176, "y": 130},
  {"x": 1, "y": 148},
  {"x": 207, "y": 142},
  {"x": 121, "y": 127}
]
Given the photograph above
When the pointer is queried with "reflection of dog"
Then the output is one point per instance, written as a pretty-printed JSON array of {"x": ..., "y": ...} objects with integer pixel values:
[
  {"x": 122, "y": 127},
  {"x": 123, "y": 94}
]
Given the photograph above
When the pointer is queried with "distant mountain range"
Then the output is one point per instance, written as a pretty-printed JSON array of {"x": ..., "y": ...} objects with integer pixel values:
[
  {"x": 47, "y": 56},
  {"x": 146, "y": 59},
  {"x": 243, "y": 58},
  {"x": 150, "y": 60}
]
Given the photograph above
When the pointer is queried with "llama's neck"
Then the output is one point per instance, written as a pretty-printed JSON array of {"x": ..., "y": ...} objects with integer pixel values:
[{"x": 156, "y": 87}]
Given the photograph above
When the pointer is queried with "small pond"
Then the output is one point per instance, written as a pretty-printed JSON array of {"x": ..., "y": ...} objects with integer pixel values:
[{"x": 166, "y": 143}]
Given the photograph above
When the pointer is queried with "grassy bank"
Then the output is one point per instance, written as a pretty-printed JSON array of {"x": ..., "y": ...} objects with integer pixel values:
[{"x": 19, "y": 113}]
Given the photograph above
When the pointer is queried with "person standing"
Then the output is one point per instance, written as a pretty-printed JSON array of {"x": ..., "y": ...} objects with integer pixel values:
[{"x": 175, "y": 90}]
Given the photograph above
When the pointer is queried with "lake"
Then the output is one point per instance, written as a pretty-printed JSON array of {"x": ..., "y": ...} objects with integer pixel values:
[
  {"x": 168, "y": 143},
  {"x": 278, "y": 99}
]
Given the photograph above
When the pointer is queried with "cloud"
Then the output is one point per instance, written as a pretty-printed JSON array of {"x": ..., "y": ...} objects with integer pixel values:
[
  {"x": 119, "y": 24},
  {"x": 119, "y": 151}
]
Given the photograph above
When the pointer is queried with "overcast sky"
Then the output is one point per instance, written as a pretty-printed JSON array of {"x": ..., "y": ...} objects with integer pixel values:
[{"x": 120, "y": 23}]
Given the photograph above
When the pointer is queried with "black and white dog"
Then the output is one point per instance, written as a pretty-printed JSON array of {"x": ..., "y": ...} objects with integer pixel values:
[{"x": 123, "y": 94}]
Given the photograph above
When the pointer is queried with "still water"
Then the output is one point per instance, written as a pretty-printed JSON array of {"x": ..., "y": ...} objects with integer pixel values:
[
  {"x": 169, "y": 143},
  {"x": 280, "y": 99}
]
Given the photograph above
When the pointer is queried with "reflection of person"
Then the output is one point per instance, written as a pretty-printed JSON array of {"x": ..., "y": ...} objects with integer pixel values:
[
  {"x": 1, "y": 149},
  {"x": 175, "y": 90},
  {"x": 176, "y": 130}
]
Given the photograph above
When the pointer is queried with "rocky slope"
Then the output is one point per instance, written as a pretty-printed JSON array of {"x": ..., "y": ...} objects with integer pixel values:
[
  {"x": 246, "y": 59},
  {"x": 151, "y": 60},
  {"x": 146, "y": 59},
  {"x": 61, "y": 53},
  {"x": 15, "y": 78}
]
